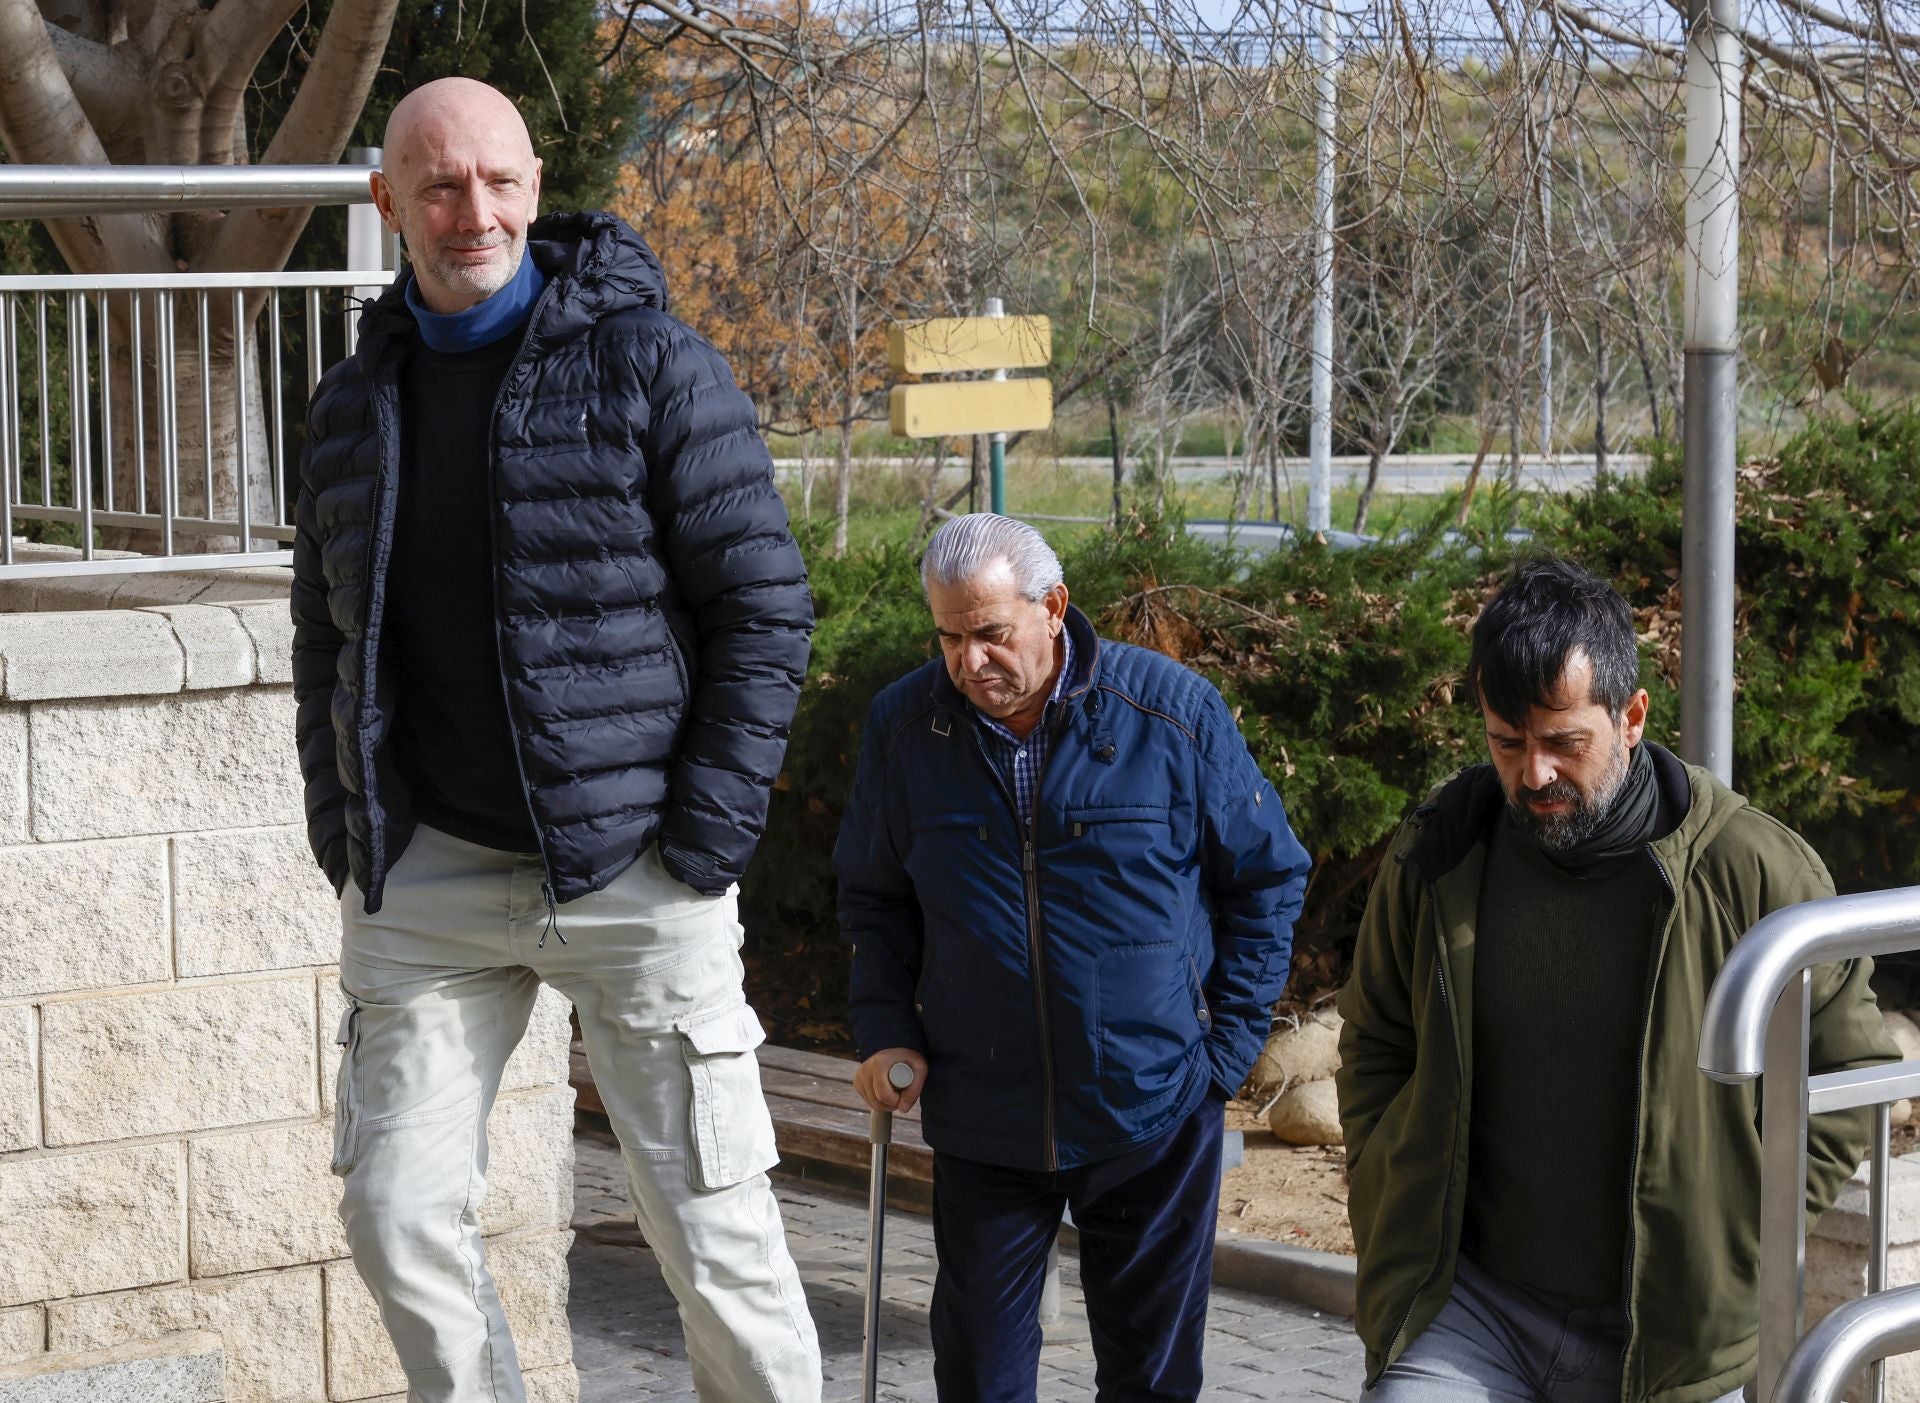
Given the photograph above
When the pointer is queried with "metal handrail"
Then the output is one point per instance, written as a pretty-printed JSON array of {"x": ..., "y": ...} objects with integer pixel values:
[
  {"x": 58, "y": 192},
  {"x": 186, "y": 282},
  {"x": 119, "y": 426},
  {"x": 1756, "y": 1023},
  {"x": 1860, "y": 1332},
  {"x": 1760, "y": 966},
  {"x": 134, "y": 481}
]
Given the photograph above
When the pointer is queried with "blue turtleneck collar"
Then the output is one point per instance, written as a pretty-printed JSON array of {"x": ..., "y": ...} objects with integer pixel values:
[{"x": 486, "y": 321}]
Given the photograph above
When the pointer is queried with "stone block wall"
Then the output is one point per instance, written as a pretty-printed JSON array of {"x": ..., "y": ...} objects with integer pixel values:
[{"x": 168, "y": 1003}]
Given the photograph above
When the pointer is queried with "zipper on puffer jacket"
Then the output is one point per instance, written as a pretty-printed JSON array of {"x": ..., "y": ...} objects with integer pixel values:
[
  {"x": 552, "y": 926},
  {"x": 1639, "y": 1091},
  {"x": 389, "y": 440},
  {"x": 1036, "y": 953}
]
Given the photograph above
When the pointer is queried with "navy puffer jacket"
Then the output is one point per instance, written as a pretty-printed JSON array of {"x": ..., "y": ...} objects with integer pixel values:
[
  {"x": 651, "y": 606},
  {"x": 1077, "y": 982}
]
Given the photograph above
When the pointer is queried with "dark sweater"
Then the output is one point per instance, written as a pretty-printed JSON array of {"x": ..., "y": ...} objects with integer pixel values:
[
  {"x": 452, "y": 738},
  {"x": 1560, "y": 982}
]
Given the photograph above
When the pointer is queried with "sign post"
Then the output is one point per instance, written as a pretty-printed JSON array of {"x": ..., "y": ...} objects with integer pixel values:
[
  {"x": 997, "y": 406},
  {"x": 997, "y": 443}
]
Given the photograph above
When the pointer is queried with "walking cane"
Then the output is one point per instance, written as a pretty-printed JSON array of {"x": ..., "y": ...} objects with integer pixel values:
[{"x": 880, "y": 1135}]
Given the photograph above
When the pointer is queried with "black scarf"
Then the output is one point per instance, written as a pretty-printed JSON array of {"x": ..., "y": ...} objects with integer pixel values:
[{"x": 1633, "y": 820}]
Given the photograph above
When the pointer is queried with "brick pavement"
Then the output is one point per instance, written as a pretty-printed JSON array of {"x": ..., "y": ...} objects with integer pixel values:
[{"x": 626, "y": 1335}]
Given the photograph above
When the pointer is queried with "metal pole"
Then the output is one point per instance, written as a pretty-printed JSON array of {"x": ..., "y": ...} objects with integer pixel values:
[
  {"x": 997, "y": 443},
  {"x": 1712, "y": 388},
  {"x": 1546, "y": 302},
  {"x": 9, "y": 424},
  {"x": 1320, "y": 421},
  {"x": 880, "y": 1136},
  {"x": 51, "y": 192},
  {"x": 1870, "y": 1328},
  {"x": 1783, "y": 1184},
  {"x": 366, "y": 235},
  {"x": 79, "y": 417},
  {"x": 243, "y": 467},
  {"x": 1879, "y": 1206}
]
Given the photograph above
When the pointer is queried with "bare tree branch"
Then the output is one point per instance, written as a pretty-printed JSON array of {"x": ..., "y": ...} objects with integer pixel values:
[
  {"x": 43, "y": 122},
  {"x": 233, "y": 37},
  {"x": 40, "y": 116},
  {"x": 315, "y": 130},
  {"x": 105, "y": 79}
]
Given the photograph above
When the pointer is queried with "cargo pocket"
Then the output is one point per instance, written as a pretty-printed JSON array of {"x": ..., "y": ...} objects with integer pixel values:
[
  {"x": 346, "y": 1096},
  {"x": 731, "y": 1128}
]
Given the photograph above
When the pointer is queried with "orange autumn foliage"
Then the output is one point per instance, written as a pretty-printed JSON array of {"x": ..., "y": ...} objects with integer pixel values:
[{"x": 792, "y": 228}]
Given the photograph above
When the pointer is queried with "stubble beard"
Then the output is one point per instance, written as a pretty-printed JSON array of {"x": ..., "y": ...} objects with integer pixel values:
[{"x": 482, "y": 280}]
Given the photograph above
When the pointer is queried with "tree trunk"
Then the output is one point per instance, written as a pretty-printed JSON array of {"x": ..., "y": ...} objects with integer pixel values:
[
  {"x": 806, "y": 477},
  {"x": 1366, "y": 493},
  {"x": 976, "y": 469},
  {"x": 843, "y": 477},
  {"x": 1513, "y": 430},
  {"x": 1246, "y": 482},
  {"x": 1600, "y": 377},
  {"x": 1273, "y": 475},
  {"x": 1162, "y": 453},
  {"x": 1119, "y": 456},
  {"x": 1646, "y": 376},
  {"x": 933, "y": 490},
  {"x": 1489, "y": 430}
]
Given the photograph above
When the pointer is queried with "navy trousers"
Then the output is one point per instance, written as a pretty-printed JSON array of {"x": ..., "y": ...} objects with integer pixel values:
[{"x": 1146, "y": 1221}]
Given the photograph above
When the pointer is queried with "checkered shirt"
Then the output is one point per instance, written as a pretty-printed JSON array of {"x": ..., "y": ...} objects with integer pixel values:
[{"x": 1020, "y": 761}]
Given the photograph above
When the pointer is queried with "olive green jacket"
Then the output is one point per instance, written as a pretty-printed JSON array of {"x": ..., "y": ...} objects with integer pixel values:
[{"x": 1406, "y": 1083}]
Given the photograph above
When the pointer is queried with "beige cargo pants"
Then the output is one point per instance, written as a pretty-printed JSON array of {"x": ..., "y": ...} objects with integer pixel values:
[{"x": 440, "y": 985}]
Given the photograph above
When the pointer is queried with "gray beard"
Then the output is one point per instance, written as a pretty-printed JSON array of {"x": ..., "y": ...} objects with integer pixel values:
[
  {"x": 480, "y": 280},
  {"x": 1566, "y": 831}
]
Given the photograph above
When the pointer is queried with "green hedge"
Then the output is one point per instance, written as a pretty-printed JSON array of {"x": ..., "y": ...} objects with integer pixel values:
[{"x": 1343, "y": 668}]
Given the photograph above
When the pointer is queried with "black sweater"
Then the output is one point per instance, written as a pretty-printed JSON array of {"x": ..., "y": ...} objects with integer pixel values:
[
  {"x": 1560, "y": 984},
  {"x": 452, "y": 739}
]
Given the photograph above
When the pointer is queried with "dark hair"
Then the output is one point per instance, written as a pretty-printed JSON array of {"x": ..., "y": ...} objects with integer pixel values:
[{"x": 1549, "y": 609}]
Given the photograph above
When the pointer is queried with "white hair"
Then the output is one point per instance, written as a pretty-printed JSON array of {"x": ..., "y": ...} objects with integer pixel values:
[{"x": 969, "y": 545}]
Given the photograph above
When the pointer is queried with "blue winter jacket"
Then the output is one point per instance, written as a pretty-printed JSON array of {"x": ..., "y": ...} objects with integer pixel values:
[{"x": 1077, "y": 983}]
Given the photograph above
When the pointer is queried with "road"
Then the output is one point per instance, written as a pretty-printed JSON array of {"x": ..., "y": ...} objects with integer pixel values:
[{"x": 1405, "y": 474}]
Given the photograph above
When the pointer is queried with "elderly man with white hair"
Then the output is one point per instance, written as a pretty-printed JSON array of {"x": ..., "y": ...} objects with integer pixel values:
[{"x": 1071, "y": 893}]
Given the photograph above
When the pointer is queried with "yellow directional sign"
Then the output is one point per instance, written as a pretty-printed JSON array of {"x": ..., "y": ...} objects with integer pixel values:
[
  {"x": 952, "y": 408},
  {"x": 948, "y": 344}
]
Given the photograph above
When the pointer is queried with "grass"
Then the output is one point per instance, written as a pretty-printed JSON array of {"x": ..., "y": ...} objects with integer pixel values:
[{"x": 886, "y": 503}]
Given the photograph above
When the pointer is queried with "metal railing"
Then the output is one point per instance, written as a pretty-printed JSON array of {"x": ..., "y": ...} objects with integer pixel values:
[
  {"x": 1756, "y": 1025},
  {"x": 1860, "y": 1332},
  {"x": 98, "y": 401},
  {"x": 55, "y": 192},
  {"x": 149, "y": 413}
]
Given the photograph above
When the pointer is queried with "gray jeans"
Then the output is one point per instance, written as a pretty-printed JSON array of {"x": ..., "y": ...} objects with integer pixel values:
[{"x": 1493, "y": 1343}]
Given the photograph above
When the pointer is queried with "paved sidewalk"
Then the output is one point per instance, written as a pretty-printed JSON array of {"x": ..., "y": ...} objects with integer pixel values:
[{"x": 626, "y": 1335}]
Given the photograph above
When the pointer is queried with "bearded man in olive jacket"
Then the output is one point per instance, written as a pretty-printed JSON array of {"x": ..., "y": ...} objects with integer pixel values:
[{"x": 1549, "y": 1199}]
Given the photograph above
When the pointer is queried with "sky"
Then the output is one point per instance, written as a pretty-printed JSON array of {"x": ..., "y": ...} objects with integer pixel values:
[{"x": 1452, "y": 23}]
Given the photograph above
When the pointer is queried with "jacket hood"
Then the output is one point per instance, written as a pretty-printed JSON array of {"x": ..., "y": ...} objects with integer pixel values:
[
  {"x": 1461, "y": 812},
  {"x": 596, "y": 258}
]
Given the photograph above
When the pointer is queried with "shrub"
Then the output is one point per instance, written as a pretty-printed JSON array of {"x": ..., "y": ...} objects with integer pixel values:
[{"x": 1343, "y": 669}]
